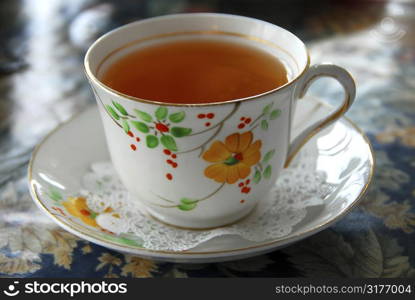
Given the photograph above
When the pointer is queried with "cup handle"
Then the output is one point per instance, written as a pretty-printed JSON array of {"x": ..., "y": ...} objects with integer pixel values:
[{"x": 313, "y": 73}]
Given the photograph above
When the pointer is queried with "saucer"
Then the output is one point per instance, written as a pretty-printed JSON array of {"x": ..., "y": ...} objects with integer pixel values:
[{"x": 59, "y": 163}]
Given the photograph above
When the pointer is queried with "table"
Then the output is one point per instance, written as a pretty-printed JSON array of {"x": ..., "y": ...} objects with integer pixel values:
[{"x": 42, "y": 84}]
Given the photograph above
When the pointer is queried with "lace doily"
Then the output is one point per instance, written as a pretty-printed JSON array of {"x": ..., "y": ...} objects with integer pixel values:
[{"x": 285, "y": 206}]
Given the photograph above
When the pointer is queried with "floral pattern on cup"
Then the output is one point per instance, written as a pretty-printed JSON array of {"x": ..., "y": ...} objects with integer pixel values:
[
  {"x": 237, "y": 157},
  {"x": 158, "y": 127},
  {"x": 232, "y": 160}
]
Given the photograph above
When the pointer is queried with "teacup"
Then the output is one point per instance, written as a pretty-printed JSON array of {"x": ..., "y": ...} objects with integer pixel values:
[{"x": 184, "y": 173}]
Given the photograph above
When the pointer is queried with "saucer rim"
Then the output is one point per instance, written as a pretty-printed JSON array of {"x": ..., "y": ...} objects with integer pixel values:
[{"x": 263, "y": 247}]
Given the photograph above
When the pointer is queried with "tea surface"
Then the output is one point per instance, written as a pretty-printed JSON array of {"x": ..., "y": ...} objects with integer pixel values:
[{"x": 195, "y": 71}]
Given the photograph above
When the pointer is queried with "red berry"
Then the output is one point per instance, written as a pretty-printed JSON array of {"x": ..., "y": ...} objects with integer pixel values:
[
  {"x": 247, "y": 181},
  {"x": 174, "y": 155},
  {"x": 162, "y": 128},
  {"x": 85, "y": 212},
  {"x": 243, "y": 118},
  {"x": 169, "y": 176},
  {"x": 167, "y": 151},
  {"x": 210, "y": 115},
  {"x": 241, "y": 184},
  {"x": 174, "y": 165},
  {"x": 169, "y": 161},
  {"x": 134, "y": 147},
  {"x": 245, "y": 190},
  {"x": 130, "y": 133},
  {"x": 247, "y": 121},
  {"x": 207, "y": 124},
  {"x": 239, "y": 156},
  {"x": 242, "y": 201},
  {"x": 242, "y": 125},
  {"x": 201, "y": 116},
  {"x": 137, "y": 139}
]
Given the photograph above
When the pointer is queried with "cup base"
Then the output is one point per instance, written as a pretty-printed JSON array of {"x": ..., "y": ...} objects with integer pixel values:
[{"x": 203, "y": 225}]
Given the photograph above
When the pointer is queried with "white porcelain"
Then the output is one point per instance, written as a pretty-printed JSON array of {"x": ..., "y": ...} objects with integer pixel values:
[
  {"x": 197, "y": 186},
  {"x": 342, "y": 153}
]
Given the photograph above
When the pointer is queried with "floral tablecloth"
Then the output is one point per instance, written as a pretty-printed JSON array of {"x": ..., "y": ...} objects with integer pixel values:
[{"x": 42, "y": 84}]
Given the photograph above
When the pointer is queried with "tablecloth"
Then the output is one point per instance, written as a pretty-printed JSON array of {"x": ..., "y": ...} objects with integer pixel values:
[{"x": 42, "y": 84}]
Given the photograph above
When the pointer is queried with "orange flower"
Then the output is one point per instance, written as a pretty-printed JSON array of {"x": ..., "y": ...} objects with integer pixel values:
[
  {"x": 233, "y": 159},
  {"x": 77, "y": 207}
]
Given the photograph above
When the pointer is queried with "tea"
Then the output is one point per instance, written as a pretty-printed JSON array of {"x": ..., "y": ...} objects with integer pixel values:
[{"x": 195, "y": 71}]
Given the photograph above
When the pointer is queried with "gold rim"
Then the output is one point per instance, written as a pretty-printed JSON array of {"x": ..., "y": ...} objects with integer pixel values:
[
  {"x": 92, "y": 235},
  {"x": 90, "y": 75}
]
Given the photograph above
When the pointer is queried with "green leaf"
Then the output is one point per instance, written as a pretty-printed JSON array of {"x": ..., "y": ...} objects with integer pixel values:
[
  {"x": 177, "y": 117},
  {"x": 275, "y": 114},
  {"x": 267, "y": 172},
  {"x": 120, "y": 108},
  {"x": 264, "y": 124},
  {"x": 188, "y": 201},
  {"x": 180, "y": 131},
  {"x": 268, "y": 156},
  {"x": 125, "y": 126},
  {"x": 143, "y": 115},
  {"x": 122, "y": 240},
  {"x": 112, "y": 112},
  {"x": 230, "y": 161},
  {"x": 187, "y": 207},
  {"x": 152, "y": 141},
  {"x": 140, "y": 126},
  {"x": 129, "y": 242},
  {"x": 267, "y": 108},
  {"x": 257, "y": 177},
  {"x": 161, "y": 113},
  {"x": 93, "y": 215},
  {"x": 168, "y": 142},
  {"x": 55, "y": 195}
]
